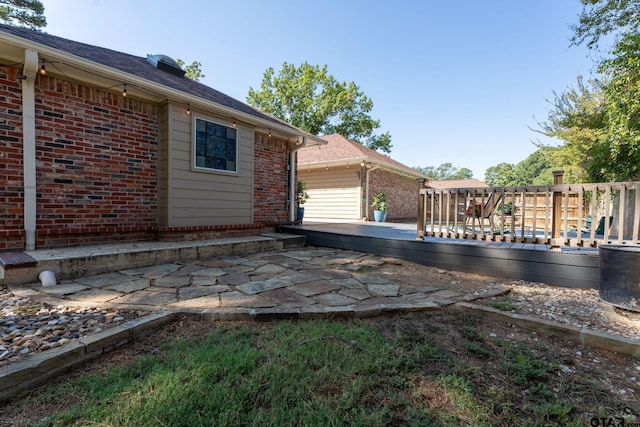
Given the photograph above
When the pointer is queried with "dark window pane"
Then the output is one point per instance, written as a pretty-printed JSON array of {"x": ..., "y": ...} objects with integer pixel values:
[{"x": 215, "y": 145}]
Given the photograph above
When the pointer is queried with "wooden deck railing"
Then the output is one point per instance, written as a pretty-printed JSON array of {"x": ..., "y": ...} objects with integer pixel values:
[{"x": 558, "y": 215}]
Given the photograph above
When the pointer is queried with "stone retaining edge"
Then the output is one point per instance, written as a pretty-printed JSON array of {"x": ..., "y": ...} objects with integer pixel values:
[
  {"x": 35, "y": 370},
  {"x": 582, "y": 336}
]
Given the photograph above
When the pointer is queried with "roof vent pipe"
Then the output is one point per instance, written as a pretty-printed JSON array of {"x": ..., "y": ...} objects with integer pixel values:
[{"x": 167, "y": 64}]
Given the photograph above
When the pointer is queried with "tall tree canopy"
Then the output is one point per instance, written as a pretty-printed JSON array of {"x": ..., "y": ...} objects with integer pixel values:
[
  {"x": 600, "y": 18},
  {"x": 26, "y": 13},
  {"x": 578, "y": 117},
  {"x": 193, "y": 70},
  {"x": 500, "y": 175},
  {"x": 599, "y": 120},
  {"x": 308, "y": 97},
  {"x": 536, "y": 169},
  {"x": 444, "y": 172}
]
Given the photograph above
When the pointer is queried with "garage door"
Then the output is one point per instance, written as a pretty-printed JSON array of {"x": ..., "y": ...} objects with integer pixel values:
[{"x": 333, "y": 194}]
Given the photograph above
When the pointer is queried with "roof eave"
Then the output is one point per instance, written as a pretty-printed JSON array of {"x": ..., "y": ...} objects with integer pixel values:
[
  {"x": 171, "y": 94},
  {"x": 359, "y": 161}
]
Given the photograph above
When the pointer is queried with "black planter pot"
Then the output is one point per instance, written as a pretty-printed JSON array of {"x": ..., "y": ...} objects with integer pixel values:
[{"x": 620, "y": 275}]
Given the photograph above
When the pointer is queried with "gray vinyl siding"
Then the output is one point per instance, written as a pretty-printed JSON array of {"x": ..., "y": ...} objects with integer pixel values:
[
  {"x": 333, "y": 194},
  {"x": 203, "y": 197}
]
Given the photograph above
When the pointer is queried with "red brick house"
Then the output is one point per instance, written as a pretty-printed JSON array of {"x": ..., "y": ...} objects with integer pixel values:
[
  {"x": 343, "y": 176},
  {"x": 101, "y": 146}
]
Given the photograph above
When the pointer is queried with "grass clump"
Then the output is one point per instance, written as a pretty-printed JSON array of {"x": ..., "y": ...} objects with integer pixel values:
[{"x": 503, "y": 304}]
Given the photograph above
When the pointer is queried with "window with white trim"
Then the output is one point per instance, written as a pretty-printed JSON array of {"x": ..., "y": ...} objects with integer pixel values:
[{"x": 216, "y": 146}]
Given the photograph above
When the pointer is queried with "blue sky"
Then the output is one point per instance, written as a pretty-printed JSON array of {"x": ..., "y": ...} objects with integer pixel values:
[{"x": 452, "y": 81}]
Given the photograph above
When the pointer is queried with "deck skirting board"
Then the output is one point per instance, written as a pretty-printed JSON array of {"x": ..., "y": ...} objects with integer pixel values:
[{"x": 555, "y": 268}]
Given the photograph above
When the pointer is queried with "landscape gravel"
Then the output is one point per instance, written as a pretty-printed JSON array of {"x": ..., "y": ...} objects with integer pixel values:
[
  {"x": 581, "y": 308},
  {"x": 29, "y": 326}
]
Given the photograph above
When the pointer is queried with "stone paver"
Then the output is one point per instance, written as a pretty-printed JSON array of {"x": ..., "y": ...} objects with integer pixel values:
[
  {"x": 131, "y": 285},
  {"x": 357, "y": 294},
  {"x": 172, "y": 281},
  {"x": 209, "y": 272},
  {"x": 385, "y": 290},
  {"x": 64, "y": 289},
  {"x": 153, "y": 271},
  {"x": 252, "y": 288},
  {"x": 196, "y": 292},
  {"x": 308, "y": 283},
  {"x": 350, "y": 283},
  {"x": 100, "y": 280},
  {"x": 269, "y": 268},
  {"x": 205, "y": 281},
  {"x": 298, "y": 278},
  {"x": 334, "y": 300},
  {"x": 186, "y": 270},
  {"x": 145, "y": 298},
  {"x": 97, "y": 295},
  {"x": 286, "y": 297},
  {"x": 238, "y": 299},
  {"x": 233, "y": 279},
  {"x": 201, "y": 303},
  {"x": 314, "y": 288}
]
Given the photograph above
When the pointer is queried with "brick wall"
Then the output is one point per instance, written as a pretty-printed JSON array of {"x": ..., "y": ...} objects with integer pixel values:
[
  {"x": 11, "y": 173},
  {"x": 96, "y": 163},
  {"x": 96, "y": 169},
  {"x": 96, "y": 156},
  {"x": 270, "y": 180},
  {"x": 401, "y": 193}
]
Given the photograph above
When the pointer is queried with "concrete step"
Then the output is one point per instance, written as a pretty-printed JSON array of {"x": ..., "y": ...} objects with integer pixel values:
[{"x": 20, "y": 267}]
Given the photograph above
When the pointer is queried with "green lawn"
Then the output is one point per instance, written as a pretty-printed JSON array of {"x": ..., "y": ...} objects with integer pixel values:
[{"x": 323, "y": 373}]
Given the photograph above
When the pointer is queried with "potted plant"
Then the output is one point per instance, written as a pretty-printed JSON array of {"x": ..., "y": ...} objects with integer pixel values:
[
  {"x": 380, "y": 206},
  {"x": 301, "y": 198}
]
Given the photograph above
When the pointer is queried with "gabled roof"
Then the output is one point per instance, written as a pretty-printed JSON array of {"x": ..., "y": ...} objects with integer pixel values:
[
  {"x": 456, "y": 183},
  {"x": 61, "y": 53},
  {"x": 342, "y": 151}
]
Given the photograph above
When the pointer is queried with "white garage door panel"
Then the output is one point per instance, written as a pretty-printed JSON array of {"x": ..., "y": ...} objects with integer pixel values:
[{"x": 332, "y": 195}]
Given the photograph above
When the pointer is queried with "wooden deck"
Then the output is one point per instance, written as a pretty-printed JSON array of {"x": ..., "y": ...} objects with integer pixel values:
[{"x": 567, "y": 266}]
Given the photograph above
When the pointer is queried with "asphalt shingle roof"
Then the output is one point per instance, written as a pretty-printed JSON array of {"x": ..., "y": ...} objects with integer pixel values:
[
  {"x": 139, "y": 67},
  {"x": 341, "y": 149}
]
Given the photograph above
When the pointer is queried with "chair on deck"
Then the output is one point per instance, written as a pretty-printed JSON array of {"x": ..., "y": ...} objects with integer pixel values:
[{"x": 477, "y": 211}]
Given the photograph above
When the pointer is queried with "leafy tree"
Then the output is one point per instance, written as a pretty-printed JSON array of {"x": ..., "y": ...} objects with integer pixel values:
[
  {"x": 26, "y": 13},
  {"x": 600, "y": 123},
  {"x": 536, "y": 169},
  {"x": 620, "y": 159},
  {"x": 579, "y": 118},
  {"x": 600, "y": 18},
  {"x": 310, "y": 98},
  {"x": 500, "y": 175},
  {"x": 444, "y": 172},
  {"x": 193, "y": 70}
]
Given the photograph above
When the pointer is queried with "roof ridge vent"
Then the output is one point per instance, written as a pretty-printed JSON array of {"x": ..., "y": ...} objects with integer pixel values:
[{"x": 166, "y": 63}]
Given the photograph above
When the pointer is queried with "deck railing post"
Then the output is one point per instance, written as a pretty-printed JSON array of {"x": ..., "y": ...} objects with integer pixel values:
[
  {"x": 421, "y": 210},
  {"x": 557, "y": 208}
]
